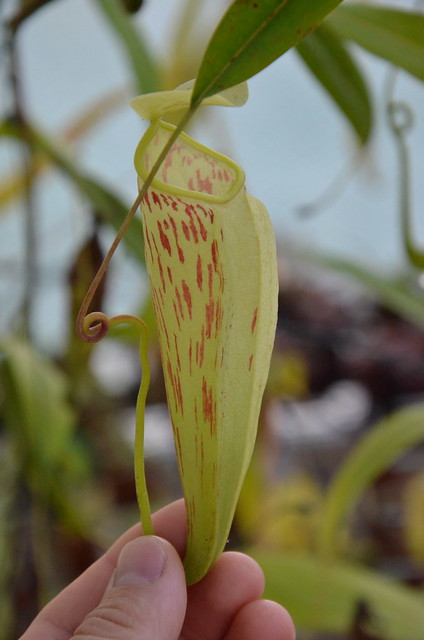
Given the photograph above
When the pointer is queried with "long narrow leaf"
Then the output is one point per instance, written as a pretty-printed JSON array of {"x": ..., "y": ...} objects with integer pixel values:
[
  {"x": 395, "y": 294},
  {"x": 327, "y": 598},
  {"x": 36, "y": 407},
  {"x": 41, "y": 424},
  {"x": 12, "y": 187},
  {"x": 393, "y": 34},
  {"x": 376, "y": 452},
  {"x": 105, "y": 203},
  {"x": 326, "y": 56},
  {"x": 250, "y": 36},
  {"x": 141, "y": 61}
]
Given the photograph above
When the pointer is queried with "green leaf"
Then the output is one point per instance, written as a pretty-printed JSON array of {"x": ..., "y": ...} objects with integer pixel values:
[
  {"x": 325, "y": 598},
  {"x": 12, "y": 186},
  {"x": 41, "y": 424},
  {"x": 331, "y": 63},
  {"x": 392, "y": 34},
  {"x": 136, "y": 50},
  {"x": 11, "y": 524},
  {"x": 37, "y": 411},
  {"x": 375, "y": 453},
  {"x": 399, "y": 294},
  {"x": 106, "y": 205},
  {"x": 250, "y": 36}
]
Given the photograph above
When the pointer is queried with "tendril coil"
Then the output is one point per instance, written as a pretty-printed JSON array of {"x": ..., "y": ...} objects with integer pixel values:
[
  {"x": 400, "y": 118},
  {"x": 95, "y": 326}
]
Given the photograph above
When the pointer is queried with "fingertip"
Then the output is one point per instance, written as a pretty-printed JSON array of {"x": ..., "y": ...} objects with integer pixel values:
[
  {"x": 262, "y": 619},
  {"x": 245, "y": 570},
  {"x": 233, "y": 581},
  {"x": 281, "y": 618}
]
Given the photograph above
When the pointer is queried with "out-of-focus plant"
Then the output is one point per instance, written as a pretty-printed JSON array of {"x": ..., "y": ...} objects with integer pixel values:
[
  {"x": 414, "y": 517},
  {"x": 305, "y": 540}
]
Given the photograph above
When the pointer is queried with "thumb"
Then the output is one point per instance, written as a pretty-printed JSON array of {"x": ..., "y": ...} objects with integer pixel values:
[{"x": 147, "y": 598}]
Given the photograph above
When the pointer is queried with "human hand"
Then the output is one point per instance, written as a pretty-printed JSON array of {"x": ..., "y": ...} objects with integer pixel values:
[{"x": 137, "y": 591}]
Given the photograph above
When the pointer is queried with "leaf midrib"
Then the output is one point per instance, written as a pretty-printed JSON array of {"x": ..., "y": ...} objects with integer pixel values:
[{"x": 241, "y": 49}]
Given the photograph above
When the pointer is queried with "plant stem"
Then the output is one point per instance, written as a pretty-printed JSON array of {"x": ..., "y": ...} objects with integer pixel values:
[
  {"x": 29, "y": 8},
  {"x": 19, "y": 117}
]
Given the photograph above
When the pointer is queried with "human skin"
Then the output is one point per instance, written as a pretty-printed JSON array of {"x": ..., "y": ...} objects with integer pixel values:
[{"x": 225, "y": 605}]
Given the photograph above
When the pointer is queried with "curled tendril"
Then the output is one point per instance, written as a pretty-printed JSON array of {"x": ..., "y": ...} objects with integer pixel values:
[
  {"x": 95, "y": 326},
  {"x": 400, "y": 118}
]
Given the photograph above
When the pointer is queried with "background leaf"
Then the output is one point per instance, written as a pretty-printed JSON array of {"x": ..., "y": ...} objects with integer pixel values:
[
  {"x": 398, "y": 294},
  {"x": 9, "y": 488},
  {"x": 36, "y": 406},
  {"x": 40, "y": 422},
  {"x": 250, "y": 36},
  {"x": 414, "y": 517},
  {"x": 392, "y": 34},
  {"x": 141, "y": 62},
  {"x": 13, "y": 186},
  {"x": 106, "y": 205},
  {"x": 326, "y": 597},
  {"x": 327, "y": 57},
  {"x": 377, "y": 451}
]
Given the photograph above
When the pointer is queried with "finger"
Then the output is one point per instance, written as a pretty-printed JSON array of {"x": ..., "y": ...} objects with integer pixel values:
[
  {"x": 147, "y": 598},
  {"x": 261, "y": 619},
  {"x": 61, "y": 616},
  {"x": 234, "y": 581},
  {"x": 169, "y": 523}
]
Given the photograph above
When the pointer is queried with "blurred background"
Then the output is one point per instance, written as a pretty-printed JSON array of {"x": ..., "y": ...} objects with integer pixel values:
[{"x": 333, "y": 504}]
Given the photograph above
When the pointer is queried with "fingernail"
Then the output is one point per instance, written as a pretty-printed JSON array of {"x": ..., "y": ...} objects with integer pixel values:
[{"x": 142, "y": 561}]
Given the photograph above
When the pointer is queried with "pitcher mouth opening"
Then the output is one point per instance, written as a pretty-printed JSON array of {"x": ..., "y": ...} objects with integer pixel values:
[{"x": 190, "y": 170}]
